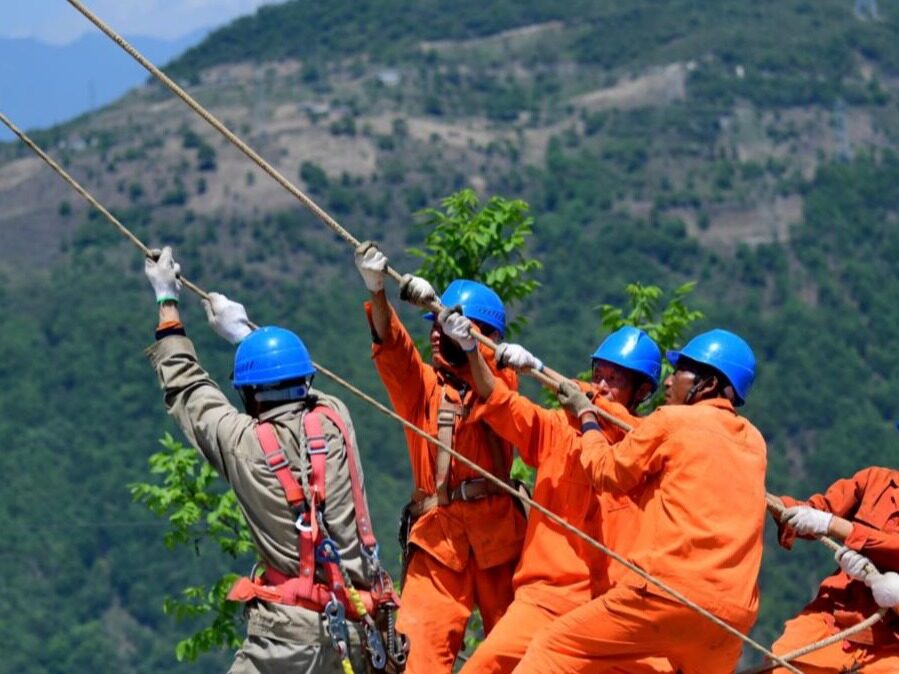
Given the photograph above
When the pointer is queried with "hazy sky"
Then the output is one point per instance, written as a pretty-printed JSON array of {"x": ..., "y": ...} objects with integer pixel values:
[{"x": 56, "y": 21}]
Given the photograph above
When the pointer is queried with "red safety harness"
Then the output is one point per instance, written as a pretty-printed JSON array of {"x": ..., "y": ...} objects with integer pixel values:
[{"x": 313, "y": 545}]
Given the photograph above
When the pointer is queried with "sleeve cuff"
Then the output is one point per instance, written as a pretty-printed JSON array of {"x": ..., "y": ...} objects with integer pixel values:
[
  {"x": 859, "y": 536},
  {"x": 168, "y": 328},
  {"x": 589, "y": 426}
]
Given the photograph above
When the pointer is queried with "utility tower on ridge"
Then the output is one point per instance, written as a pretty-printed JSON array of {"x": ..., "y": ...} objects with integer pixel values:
[{"x": 844, "y": 148}]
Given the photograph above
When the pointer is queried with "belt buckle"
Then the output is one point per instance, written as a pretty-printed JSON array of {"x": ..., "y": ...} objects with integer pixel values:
[{"x": 464, "y": 484}]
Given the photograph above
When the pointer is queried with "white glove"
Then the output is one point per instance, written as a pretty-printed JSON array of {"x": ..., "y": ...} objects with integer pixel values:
[
  {"x": 227, "y": 317},
  {"x": 807, "y": 521},
  {"x": 458, "y": 328},
  {"x": 164, "y": 273},
  {"x": 416, "y": 290},
  {"x": 853, "y": 563},
  {"x": 885, "y": 588},
  {"x": 516, "y": 357},
  {"x": 371, "y": 263}
]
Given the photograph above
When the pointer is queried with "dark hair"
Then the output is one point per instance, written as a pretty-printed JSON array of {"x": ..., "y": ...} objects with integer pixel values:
[{"x": 704, "y": 371}]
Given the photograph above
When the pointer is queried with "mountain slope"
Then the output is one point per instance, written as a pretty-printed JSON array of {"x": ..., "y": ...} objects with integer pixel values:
[{"x": 747, "y": 146}]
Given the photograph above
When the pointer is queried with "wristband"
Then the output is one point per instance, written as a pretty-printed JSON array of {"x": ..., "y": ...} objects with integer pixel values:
[
  {"x": 589, "y": 426},
  {"x": 166, "y": 298},
  {"x": 170, "y": 328}
]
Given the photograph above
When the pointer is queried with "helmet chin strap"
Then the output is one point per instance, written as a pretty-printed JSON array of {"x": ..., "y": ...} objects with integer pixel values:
[
  {"x": 698, "y": 384},
  {"x": 281, "y": 394}
]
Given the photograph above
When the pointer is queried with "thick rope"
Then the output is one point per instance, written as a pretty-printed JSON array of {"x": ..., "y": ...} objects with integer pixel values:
[
  {"x": 777, "y": 509},
  {"x": 320, "y": 213},
  {"x": 276, "y": 175},
  {"x": 89, "y": 197},
  {"x": 458, "y": 457},
  {"x": 868, "y": 622}
]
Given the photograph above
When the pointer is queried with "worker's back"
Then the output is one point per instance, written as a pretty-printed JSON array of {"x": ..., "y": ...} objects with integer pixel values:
[{"x": 703, "y": 503}]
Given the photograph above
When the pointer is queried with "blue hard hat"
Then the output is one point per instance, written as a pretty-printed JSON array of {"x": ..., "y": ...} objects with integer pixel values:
[
  {"x": 271, "y": 355},
  {"x": 478, "y": 302},
  {"x": 634, "y": 350},
  {"x": 725, "y": 352}
]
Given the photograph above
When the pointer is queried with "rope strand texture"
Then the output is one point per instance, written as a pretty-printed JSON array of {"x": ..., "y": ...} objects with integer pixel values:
[{"x": 393, "y": 415}]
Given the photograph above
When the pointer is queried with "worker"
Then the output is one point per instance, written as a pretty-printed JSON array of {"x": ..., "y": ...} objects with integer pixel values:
[
  {"x": 697, "y": 471},
  {"x": 293, "y": 449},
  {"x": 863, "y": 513},
  {"x": 558, "y": 571},
  {"x": 464, "y": 533}
]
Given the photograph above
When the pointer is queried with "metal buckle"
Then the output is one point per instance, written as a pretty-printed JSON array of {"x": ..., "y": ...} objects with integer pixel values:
[
  {"x": 465, "y": 483},
  {"x": 302, "y": 526},
  {"x": 283, "y": 463},
  {"x": 373, "y": 557},
  {"x": 335, "y": 619},
  {"x": 446, "y": 417},
  {"x": 375, "y": 645},
  {"x": 324, "y": 446}
]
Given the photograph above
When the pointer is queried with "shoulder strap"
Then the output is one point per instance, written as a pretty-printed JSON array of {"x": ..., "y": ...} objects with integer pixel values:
[
  {"x": 278, "y": 463},
  {"x": 360, "y": 505},
  {"x": 447, "y": 411},
  {"x": 306, "y": 524},
  {"x": 317, "y": 448}
]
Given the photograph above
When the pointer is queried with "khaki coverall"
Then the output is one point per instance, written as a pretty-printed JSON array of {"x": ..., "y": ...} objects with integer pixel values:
[{"x": 280, "y": 639}]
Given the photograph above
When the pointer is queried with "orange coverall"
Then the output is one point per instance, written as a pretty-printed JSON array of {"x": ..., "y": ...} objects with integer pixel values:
[
  {"x": 870, "y": 500},
  {"x": 699, "y": 475},
  {"x": 558, "y": 570},
  {"x": 466, "y": 551}
]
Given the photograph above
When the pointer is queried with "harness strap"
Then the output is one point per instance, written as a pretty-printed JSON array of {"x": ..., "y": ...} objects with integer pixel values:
[
  {"x": 280, "y": 589},
  {"x": 447, "y": 413},
  {"x": 279, "y": 465},
  {"x": 315, "y": 549},
  {"x": 317, "y": 448},
  {"x": 363, "y": 517},
  {"x": 307, "y": 519}
]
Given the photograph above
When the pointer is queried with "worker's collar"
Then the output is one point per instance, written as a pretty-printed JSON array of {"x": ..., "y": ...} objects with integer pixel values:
[
  {"x": 720, "y": 403},
  {"x": 292, "y": 407}
]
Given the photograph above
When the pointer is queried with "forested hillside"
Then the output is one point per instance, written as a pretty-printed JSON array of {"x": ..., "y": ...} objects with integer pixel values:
[{"x": 747, "y": 146}]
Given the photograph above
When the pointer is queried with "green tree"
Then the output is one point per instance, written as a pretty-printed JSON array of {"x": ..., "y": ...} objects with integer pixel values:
[
  {"x": 483, "y": 244},
  {"x": 198, "y": 509}
]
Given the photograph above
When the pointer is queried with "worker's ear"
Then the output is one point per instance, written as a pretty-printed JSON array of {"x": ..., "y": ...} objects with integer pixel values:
[{"x": 708, "y": 388}]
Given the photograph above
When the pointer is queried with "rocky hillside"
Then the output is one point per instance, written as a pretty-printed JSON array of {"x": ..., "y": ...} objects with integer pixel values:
[{"x": 747, "y": 146}]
